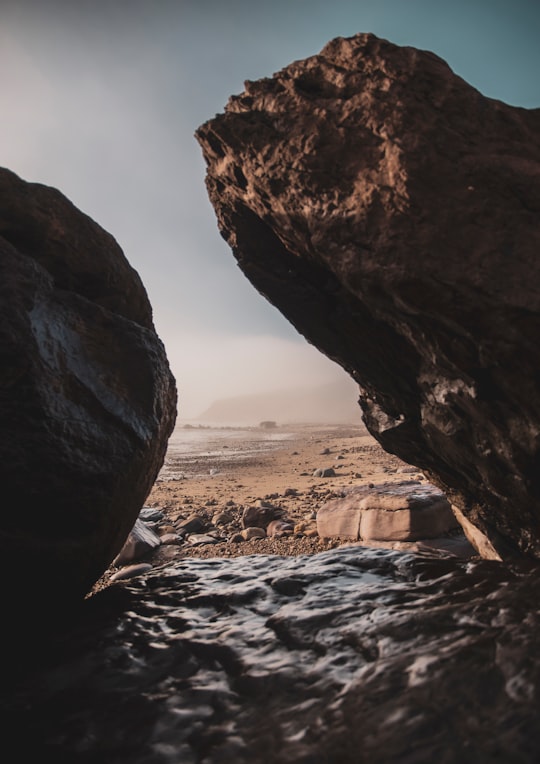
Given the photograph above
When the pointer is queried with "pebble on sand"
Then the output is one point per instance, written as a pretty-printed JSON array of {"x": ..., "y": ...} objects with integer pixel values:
[
  {"x": 253, "y": 533},
  {"x": 130, "y": 571},
  {"x": 198, "y": 539},
  {"x": 279, "y": 528},
  {"x": 324, "y": 472}
]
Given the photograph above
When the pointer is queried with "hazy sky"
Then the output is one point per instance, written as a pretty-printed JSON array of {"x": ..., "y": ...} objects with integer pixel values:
[{"x": 101, "y": 100}]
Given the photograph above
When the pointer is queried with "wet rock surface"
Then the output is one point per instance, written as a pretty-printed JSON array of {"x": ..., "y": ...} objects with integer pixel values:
[
  {"x": 390, "y": 211},
  {"x": 87, "y": 399},
  {"x": 353, "y": 655}
]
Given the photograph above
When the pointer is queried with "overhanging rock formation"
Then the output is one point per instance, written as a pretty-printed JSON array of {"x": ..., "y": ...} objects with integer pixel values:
[
  {"x": 390, "y": 211},
  {"x": 87, "y": 399}
]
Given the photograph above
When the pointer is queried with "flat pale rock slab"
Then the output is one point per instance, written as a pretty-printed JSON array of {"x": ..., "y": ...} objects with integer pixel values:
[{"x": 406, "y": 511}]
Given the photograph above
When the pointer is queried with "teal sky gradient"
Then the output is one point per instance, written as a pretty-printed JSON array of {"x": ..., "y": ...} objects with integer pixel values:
[{"x": 101, "y": 100}]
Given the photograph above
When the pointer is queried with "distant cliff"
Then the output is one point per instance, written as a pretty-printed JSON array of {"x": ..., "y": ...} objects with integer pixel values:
[{"x": 334, "y": 403}]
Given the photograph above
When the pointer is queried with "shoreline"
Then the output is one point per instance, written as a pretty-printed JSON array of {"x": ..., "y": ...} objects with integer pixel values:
[{"x": 222, "y": 475}]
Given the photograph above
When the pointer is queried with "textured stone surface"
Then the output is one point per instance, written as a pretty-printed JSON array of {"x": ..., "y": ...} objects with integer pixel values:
[
  {"x": 405, "y": 511},
  {"x": 87, "y": 400},
  {"x": 390, "y": 211},
  {"x": 355, "y": 656}
]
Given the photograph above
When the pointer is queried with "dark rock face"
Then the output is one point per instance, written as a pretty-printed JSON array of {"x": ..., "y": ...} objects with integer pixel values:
[
  {"x": 390, "y": 211},
  {"x": 87, "y": 399},
  {"x": 350, "y": 656}
]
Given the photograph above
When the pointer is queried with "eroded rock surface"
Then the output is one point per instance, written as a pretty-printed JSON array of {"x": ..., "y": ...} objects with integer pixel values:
[
  {"x": 87, "y": 399},
  {"x": 390, "y": 211},
  {"x": 350, "y": 656}
]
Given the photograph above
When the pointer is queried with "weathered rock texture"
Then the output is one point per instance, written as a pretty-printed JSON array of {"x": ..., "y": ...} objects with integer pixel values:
[
  {"x": 355, "y": 656},
  {"x": 87, "y": 400},
  {"x": 390, "y": 211}
]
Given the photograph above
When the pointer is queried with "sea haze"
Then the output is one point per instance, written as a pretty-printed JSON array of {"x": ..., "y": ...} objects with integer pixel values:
[{"x": 331, "y": 403}]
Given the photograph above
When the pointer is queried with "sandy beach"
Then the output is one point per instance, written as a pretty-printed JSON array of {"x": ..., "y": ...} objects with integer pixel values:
[
  {"x": 213, "y": 472},
  {"x": 277, "y": 466}
]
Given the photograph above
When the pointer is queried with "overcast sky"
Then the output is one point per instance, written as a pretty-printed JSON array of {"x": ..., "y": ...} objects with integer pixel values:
[{"x": 101, "y": 100}]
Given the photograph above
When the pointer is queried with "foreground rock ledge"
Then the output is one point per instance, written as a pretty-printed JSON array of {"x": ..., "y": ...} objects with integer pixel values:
[
  {"x": 87, "y": 399},
  {"x": 390, "y": 211}
]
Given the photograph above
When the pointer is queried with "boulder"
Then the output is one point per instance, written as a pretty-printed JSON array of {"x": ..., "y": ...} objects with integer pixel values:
[
  {"x": 141, "y": 541},
  {"x": 193, "y": 524},
  {"x": 260, "y": 515},
  {"x": 253, "y": 532},
  {"x": 407, "y": 511},
  {"x": 390, "y": 211},
  {"x": 87, "y": 399},
  {"x": 279, "y": 528}
]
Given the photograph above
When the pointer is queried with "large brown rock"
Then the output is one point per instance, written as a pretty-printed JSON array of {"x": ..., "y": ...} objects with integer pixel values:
[
  {"x": 406, "y": 511},
  {"x": 390, "y": 211},
  {"x": 87, "y": 399}
]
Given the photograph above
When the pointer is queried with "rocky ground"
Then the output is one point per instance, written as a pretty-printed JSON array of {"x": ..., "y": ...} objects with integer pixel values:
[{"x": 201, "y": 501}]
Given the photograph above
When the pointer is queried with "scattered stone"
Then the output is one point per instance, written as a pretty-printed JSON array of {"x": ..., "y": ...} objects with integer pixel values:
[
  {"x": 265, "y": 504},
  {"x": 222, "y": 518},
  {"x": 151, "y": 515},
  {"x": 290, "y": 492},
  {"x": 139, "y": 543},
  {"x": 171, "y": 538},
  {"x": 162, "y": 530},
  {"x": 306, "y": 528},
  {"x": 199, "y": 539},
  {"x": 130, "y": 571},
  {"x": 153, "y": 527},
  {"x": 325, "y": 452},
  {"x": 193, "y": 524},
  {"x": 324, "y": 472},
  {"x": 253, "y": 533},
  {"x": 279, "y": 528},
  {"x": 259, "y": 516}
]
